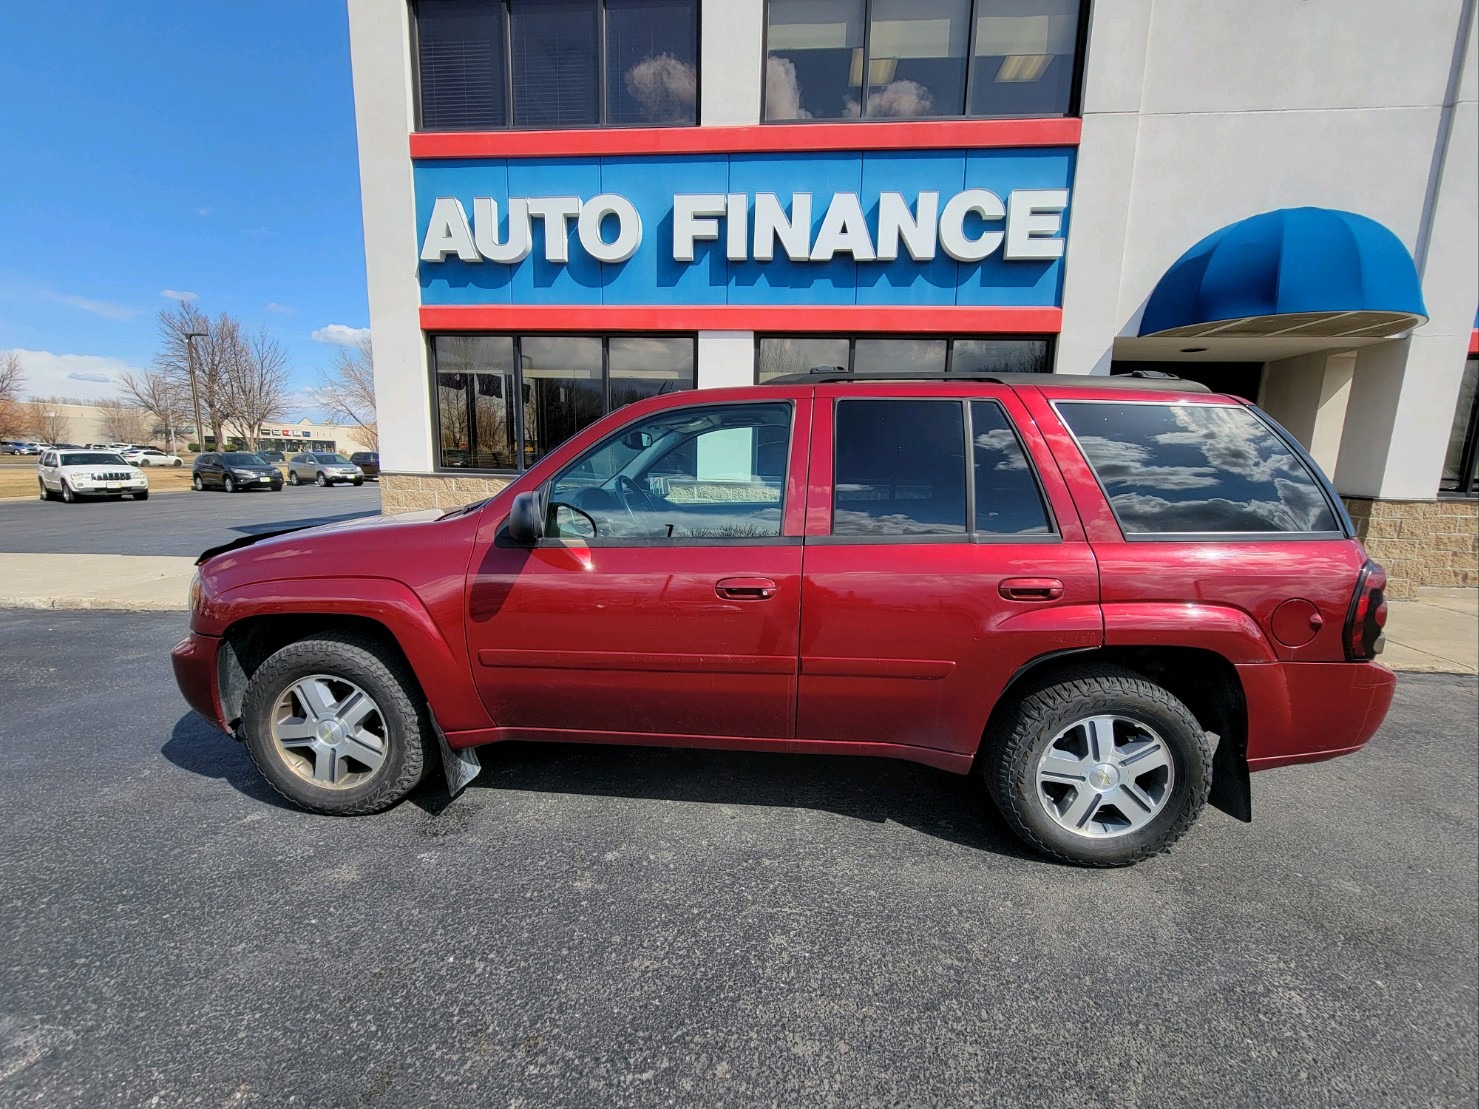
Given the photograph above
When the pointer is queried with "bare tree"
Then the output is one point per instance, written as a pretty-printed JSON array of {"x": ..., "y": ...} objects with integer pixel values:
[
  {"x": 45, "y": 420},
  {"x": 121, "y": 422},
  {"x": 215, "y": 351},
  {"x": 159, "y": 395},
  {"x": 12, "y": 380},
  {"x": 346, "y": 391},
  {"x": 256, "y": 383}
]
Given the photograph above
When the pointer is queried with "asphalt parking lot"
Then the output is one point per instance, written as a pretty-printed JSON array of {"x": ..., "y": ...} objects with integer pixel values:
[
  {"x": 606, "y": 926},
  {"x": 183, "y": 523}
]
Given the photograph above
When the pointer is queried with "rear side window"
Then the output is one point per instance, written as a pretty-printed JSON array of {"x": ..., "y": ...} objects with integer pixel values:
[
  {"x": 900, "y": 468},
  {"x": 1196, "y": 469},
  {"x": 1008, "y": 501}
]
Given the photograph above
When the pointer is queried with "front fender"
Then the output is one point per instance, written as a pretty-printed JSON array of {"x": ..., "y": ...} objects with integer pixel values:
[{"x": 439, "y": 662}]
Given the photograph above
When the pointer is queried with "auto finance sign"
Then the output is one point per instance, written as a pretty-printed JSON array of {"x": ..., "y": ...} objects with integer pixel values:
[{"x": 983, "y": 227}]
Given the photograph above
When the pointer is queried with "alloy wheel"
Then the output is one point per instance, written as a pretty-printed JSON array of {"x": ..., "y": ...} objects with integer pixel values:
[
  {"x": 329, "y": 731},
  {"x": 1105, "y": 776}
]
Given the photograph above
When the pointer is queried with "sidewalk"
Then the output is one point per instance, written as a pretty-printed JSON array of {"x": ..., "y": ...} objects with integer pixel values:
[{"x": 1438, "y": 633}]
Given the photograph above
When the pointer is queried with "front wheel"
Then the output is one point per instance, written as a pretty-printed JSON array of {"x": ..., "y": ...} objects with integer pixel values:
[
  {"x": 292, "y": 477},
  {"x": 337, "y": 725},
  {"x": 1098, "y": 767},
  {"x": 144, "y": 496},
  {"x": 68, "y": 496},
  {"x": 358, "y": 482},
  {"x": 197, "y": 484},
  {"x": 229, "y": 484},
  {"x": 322, "y": 481}
]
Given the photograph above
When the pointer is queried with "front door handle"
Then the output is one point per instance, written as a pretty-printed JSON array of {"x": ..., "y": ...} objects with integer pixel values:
[
  {"x": 745, "y": 589},
  {"x": 1030, "y": 589}
]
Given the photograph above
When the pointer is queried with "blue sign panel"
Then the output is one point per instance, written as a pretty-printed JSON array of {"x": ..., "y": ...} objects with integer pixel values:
[{"x": 886, "y": 228}]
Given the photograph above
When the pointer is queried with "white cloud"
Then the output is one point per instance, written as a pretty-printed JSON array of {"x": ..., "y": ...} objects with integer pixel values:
[
  {"x": 89, "y": 376},
  {"x": 204, "y": 211},
  {"x": 342, "y": 334},
  {"x": 783, "y": 90},
  {"x": 176, "y": 294},
  {"x": 665, "y": 87},
  {"x": 280, "y": 309},
  {"x": 103, "y": 308}
]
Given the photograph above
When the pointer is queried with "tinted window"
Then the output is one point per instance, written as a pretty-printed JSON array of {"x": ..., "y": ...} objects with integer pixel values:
[
  {"x": 461, "y": 56},
  {"x": 900, "y": 468},
  {"x": 1025, "y": 57},
  {"x": 815, "y": 58},
  {"x": 240, "y": 458},
  {"x": 714, "y": 472},
  {"x": 1171, "y": 468},
  {"x": 1008, "y": 501},
  {"x": 76, "y": 458},
  {"x": 651, "y": 62},
  {"x": 555, "y": 63}
]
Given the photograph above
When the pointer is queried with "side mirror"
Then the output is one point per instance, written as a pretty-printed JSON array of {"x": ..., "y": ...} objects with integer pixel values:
[{"x": 526, "y": 519}]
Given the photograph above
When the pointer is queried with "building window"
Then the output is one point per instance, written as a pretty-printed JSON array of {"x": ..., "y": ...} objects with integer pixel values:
[
  {"x": 1461, "y": 463},
  {"x": 505, "y": 401},
  {"x": 922, "y": 59},
  {"x": 494, "y": 64},
  {"x": 778, "y": 355}
]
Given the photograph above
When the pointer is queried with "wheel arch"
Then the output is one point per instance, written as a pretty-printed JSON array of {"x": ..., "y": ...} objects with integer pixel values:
[{"x": 1203, "y": 680}]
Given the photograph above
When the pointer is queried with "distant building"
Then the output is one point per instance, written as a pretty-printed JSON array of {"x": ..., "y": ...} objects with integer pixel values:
[{"x": 84, "y": 423}]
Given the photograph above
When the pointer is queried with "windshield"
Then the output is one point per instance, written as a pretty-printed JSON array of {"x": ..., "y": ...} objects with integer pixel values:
[
  {"x": 90, "y": 458},
  {"x": 241, "y": 458},
  {"x": 334, "y": 458}
]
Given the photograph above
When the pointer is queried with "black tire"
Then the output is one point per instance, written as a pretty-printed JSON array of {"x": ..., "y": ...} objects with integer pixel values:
[
  {"x": 410, "y": 742},
  {"x": 358, "y": 482},
  {"x": 197, "y": 484},
  {"x": 322, "y": 480},
  {"x": 292, "y": 477},
  {"x": 68, "y": 497},
  {"x": 45, "y": 493},
  {"x": 177, "y": 463},
  {"x": 144, "y": 496},
  {"x": 1018, "y": 739}
]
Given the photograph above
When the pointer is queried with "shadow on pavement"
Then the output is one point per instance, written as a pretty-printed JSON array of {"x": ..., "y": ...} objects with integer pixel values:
[
  {"x": 197, "y": 747},
  {"x": 950, "y": 806}
]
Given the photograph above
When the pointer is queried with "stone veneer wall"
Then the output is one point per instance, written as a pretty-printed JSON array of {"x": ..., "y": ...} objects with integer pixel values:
[
  {"x": 409, "y": 492},
  {"x": 1420, "y": 542}
]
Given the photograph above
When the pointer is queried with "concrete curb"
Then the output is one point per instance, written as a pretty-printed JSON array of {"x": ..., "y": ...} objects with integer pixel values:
[{"x": 89, "y": 604}]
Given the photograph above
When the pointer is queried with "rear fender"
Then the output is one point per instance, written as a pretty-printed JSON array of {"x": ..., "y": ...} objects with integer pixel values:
[
  {"x": 439, "y": 665},
  {"x": 1229, "y": 632}
]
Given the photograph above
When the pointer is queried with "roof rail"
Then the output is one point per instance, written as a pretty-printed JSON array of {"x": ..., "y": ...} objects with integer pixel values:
[{"x": 1136, "y": 379}]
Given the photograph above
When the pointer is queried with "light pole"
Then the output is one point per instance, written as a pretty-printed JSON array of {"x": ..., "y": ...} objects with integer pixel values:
[{"x": 195, "y": 392}]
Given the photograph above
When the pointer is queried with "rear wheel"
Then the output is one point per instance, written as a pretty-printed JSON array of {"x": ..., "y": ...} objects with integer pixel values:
[
  {"x": 45, "y": 493},
  {"x": 1098, "y": 767},
  {"x": 177, "y": 463},
  {"x": 337, "y": 725}
]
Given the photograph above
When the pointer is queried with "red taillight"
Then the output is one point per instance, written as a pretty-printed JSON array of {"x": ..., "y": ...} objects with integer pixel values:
[{"x": 1367, "y": 615}]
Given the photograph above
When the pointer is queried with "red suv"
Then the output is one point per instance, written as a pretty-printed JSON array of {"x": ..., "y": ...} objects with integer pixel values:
[{"x": 1110, "y": 597}]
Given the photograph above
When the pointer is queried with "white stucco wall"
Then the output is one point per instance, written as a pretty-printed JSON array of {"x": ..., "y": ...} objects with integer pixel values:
[
  {"x": 726, "y": 358},
  {"x": 378, "y": 43},
  {"x": 730, "y": 63}
]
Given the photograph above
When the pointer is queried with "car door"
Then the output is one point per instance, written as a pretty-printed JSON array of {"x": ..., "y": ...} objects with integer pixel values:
[
  {"x": 665, "y": 599},
  {"x": 933, "y": 571},
  {"x": 48, "y": 470}
]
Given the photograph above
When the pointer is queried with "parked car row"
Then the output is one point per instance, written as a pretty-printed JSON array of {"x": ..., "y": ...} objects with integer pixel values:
[{"x": 236, "y": 471}]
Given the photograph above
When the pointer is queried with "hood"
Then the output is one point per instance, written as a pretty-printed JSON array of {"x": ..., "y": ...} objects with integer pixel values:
[{"x": 363, "y": 524}]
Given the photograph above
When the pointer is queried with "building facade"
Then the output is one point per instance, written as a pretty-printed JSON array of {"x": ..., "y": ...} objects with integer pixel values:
[{"x": 570, "y": 205}]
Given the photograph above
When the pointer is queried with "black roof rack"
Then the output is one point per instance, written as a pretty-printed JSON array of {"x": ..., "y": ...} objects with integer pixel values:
[{"x": 1136, "y": 379}]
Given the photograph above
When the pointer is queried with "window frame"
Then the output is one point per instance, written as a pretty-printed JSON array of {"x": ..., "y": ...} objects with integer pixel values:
[
  {"x": 1468, "y": 479},
  {"x": 522, "y": 464},
  {"x": 971, "y": 536},
  {"x": 1343, "y": 527},
  {"x": 780, "y": 540},
  {"x": 509, "y": 114},
  {"x": 951, "y": 338},
  {"x": 1075, "y": 86}
]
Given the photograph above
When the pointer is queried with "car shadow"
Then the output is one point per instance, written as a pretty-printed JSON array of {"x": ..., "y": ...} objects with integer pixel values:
[
  {"x": 195, "y": 746},
  {"x": 949, "y": 806}
]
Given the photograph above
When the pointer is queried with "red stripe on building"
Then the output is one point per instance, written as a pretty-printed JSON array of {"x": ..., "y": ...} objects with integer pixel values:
[
  {"x": 742, "y": 317},
  {"x": 933, "y": 135},
  {"x": 1474, "y": 341}
]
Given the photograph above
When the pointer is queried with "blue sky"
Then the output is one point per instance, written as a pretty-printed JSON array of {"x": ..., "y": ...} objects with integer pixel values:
[{"x": 152, "y": 149}]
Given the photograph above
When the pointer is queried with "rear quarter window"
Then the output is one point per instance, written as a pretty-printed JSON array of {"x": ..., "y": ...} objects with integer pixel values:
[{"x": 1171, "y": 469}]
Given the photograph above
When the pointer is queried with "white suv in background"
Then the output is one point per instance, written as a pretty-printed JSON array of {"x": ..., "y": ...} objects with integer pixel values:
[{"x": 73, "y": 474}]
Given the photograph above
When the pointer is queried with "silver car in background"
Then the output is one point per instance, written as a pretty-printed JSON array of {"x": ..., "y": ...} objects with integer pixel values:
[{"x": 323, "y": 468}]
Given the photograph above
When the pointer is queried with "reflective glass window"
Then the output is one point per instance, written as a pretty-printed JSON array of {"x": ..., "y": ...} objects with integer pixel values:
[
  {"x": 899, "y": 468},
  {"x": 1196, "y": 468},
  {"x": 1025, "y": 57},
  {"x": 461, "y": 58},
  {"x": 651, "y": 62},
  {"x": 814, "y": 59},
  {"x": 899, "y": 356},
  {"x": 647, "y": 366},
  {"x": 917, "y": 58},
  {"x": 563, "y": 389},
  {"x": 555, "y": 63},
  {"x": 1026, "y": 356},
  {"x": 1008, "y": 501},
  {"x": 797, "y": 354}
]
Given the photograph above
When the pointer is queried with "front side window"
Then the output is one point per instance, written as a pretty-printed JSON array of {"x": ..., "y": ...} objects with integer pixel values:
[
  {"x": 920, "y": 59},
  {"x": 505, "y": 401},
  {"x": 1196, "y": 469},
  {"x": 899, "y": 469},
  {"x": 711, "y": 472},
  {"x": 493, "y": 64}
]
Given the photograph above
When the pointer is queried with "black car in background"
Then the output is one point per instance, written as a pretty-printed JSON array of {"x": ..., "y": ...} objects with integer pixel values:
[
  {"x": 368, "y": 461},
  {"x": 235, "y": 471},
  {"x": 272, "y": 456}
]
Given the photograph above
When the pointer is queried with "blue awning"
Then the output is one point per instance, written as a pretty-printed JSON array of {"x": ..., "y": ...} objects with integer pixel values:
[{"x": 1294, "y": 272}]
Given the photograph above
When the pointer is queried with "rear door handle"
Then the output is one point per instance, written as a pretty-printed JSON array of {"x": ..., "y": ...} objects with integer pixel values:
[
  {"x": 1031, "y": 589},
  {"x": 745, "y": 589}
]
